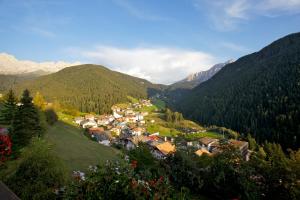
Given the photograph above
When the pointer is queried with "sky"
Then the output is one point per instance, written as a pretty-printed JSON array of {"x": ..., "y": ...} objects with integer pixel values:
[{"x": 160, "y": 40}]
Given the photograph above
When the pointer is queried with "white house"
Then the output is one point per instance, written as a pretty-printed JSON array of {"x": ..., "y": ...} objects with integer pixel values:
[
  {"x": 161, "y": 150},
  {"x": 103, "y": 122},
  {"x": 129, "y": 112},
  {"x": 139, "y": 117},
  {"x": 137, "y": 131},
  {"x": 89, "y": 117},
  {"x": 89, "y": 124},
  {"x": 131, "y": 119},
  {"x": 116, "y": 115},
  {"x": 155, "y": 134},
  {"x": 105, "y": 142},
  {"x": 78, "y": 120}
]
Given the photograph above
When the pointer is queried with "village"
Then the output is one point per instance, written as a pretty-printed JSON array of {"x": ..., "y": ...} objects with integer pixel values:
[{"x": 127, "y": 127}]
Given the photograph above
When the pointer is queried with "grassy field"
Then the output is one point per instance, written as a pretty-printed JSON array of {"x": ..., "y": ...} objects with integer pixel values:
[
  {"x": 75, "y": 149},
  {"x": 204, "y": 134},
  {"x": 160, "y": 104}
]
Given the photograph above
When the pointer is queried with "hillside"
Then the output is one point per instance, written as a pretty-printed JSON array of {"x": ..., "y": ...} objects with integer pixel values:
[
  {"x": 89, "y": 88},
  {"x": 258, "y": 94},
  {"x": 81, "y": 152},
  {"x": 8, "y": 81}
]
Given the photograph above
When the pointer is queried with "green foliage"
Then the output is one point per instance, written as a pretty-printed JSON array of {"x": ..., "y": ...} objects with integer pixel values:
[
  {"x": 51, "y": 116},
  {"x": 39, "y": 174},
  {"x": 146, "y": 164},
  {"x": 184, "y": 172},
  {"x": 39, "y": 101},
  {"x": 252, "y": 142},
  {"x": 8, "y": 109},
  {"x": 26, "y": 123},
  {"x": 160, "y": 104},
  {"x": 173, "y": 117},
  {"x": 120, "y": 181},
  {"x": 257, "y": 94}
]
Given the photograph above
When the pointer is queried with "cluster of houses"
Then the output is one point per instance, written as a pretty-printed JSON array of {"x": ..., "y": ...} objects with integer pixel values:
[
  {"x": 211, "y": 146},
  {"x": 127, "y": 127}
]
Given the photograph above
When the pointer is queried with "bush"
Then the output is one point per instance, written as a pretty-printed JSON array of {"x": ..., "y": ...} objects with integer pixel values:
[
  {"x": 51, "y": 116},
  {"x": 39, "y": 174}
]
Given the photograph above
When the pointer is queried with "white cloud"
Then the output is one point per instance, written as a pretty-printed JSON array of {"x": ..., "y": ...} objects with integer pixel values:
[
  {"x": 237, "y": 9},
  {"x": 227, "y": 15},
  {"x": 157, "y": 64},
  {"x": 11, "y": 65}
]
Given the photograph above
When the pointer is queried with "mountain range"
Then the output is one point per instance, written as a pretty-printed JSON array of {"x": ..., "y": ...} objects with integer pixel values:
[
  {"x": 197, "y": 78},
  {"x": 258, "y": 93},
  {"x": 12, "y": 66}
]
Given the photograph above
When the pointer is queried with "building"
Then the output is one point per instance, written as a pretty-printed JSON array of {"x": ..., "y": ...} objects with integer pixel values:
[
  {"x": 78, "y": 120},
  {"x": 89, "y": 117},
  {"x": 138, "y": 131},
  {"x": 132, "y": 142},
  {"x": 242, "y": 146},
  {"x": 96, "y": 130},
  {"x": 208, "y": 143},
  {"x": 116, "y": 115},
  {"x": 116, "y": 130},
  {"x": 88, "y": 124},
  {"x": 200, "y": 152},
  {"x": 161, "y": 150}
]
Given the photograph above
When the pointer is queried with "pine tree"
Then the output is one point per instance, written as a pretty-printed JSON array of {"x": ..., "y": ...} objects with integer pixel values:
[
  {"x": 26, "y": 123},
  {"x": 168, "y": 115},
  {"x": 9, "y": 108}
]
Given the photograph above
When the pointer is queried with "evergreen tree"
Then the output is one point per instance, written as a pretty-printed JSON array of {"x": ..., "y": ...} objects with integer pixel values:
[
  {"x": 26, "y": 123},
  {"x": 9, "y": 108},
  {"x": 168, "y": 115}
]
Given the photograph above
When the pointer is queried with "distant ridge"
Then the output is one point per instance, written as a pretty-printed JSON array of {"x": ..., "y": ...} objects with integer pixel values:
[
  {"x": 195, "y": 79},
  {"x": 10, "y": 65}
]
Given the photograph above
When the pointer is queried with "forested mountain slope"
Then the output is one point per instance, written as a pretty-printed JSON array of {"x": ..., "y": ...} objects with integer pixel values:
[
  {"x": 257, "y": 94},
  {"x": 89, "y": 88},
  {"x": 8, "y": 81}
]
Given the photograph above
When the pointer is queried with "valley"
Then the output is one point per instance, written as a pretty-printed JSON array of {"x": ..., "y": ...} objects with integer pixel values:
[{"x": 91, "y": 122}]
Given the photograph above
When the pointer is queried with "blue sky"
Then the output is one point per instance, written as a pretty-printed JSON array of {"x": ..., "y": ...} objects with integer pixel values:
[{"x": 160, "y": 40}]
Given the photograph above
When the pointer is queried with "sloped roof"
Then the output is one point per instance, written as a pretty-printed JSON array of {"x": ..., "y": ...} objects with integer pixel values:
[
  {"x": 207, "y": 140},
  {"x": 238, "y": 144},
  {"x": 199, "y": 152},
  {"x": 166, "y": 148},
  {"x": 137, "y": 139}
]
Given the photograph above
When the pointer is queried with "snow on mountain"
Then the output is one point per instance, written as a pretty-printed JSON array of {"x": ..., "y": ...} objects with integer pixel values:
[
  {"x": 199, "y": 77},
  {"x": 11, "y": 65}
]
